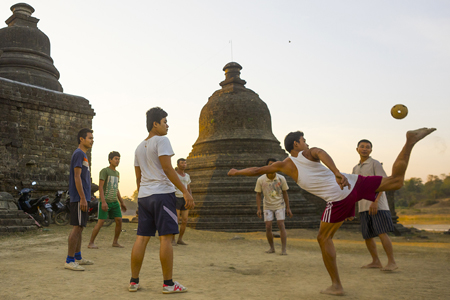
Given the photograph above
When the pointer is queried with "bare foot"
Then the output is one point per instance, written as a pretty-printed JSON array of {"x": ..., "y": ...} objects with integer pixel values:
[
  {"x": 414, "y": 136},
  {"x": 337, "y": 291},
  {"x": 181, "y": 243},
  {"x": 283, "y": 252},
  {"x": 117, "y": 245},
  {"x": 372, "y": 266},
  {"x": 270, "y": 251},
  {"x": 389, "y": 267},
  {"x": 92, "y": 246}
]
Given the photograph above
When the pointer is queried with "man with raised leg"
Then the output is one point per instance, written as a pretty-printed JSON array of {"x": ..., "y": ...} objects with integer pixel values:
[
  {"x": 275, "y": 203},
  {"x": 155, "y": 179},
  {"x": 375, "y": 217},
  {"x": 340, "y": 191}
]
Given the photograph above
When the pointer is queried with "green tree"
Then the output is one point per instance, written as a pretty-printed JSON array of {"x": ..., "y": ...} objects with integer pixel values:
[{"x": 134, "y": 197}]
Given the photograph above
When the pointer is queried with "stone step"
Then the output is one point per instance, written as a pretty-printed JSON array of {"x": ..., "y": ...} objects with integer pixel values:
[
  {"x": 10, "y": 229},
  {"x": 16, "y": 214},
  {"x": 16, "y": 222}
]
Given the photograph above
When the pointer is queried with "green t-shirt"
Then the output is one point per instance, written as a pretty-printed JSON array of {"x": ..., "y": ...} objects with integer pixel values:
[{"x": 111, "y": 185}]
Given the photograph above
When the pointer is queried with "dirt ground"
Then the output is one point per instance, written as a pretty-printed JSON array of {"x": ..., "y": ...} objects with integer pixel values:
[{"x": 216, "y": 266}]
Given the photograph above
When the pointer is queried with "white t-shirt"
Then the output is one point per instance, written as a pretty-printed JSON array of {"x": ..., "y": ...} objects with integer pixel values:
[
  {"x": 318, "y": 180},
  {"x": 185, "y": 180},
  {"x": 153, "y": 178},
  {"x": 272, "y": 190}
]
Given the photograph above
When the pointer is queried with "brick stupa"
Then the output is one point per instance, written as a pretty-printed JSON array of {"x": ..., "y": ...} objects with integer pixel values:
[{"x": 235, "y": 131}]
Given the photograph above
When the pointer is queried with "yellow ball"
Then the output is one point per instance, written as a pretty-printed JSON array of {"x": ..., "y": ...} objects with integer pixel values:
[{"x": 399, "y": 111}]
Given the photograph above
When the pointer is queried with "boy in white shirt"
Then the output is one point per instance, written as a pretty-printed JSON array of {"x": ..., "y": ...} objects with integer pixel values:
[
  {"x": 155, "y": 179},
  {"x": 276, "y": 202}
]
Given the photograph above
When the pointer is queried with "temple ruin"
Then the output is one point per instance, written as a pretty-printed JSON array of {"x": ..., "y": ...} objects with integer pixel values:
[
  {"x": 235, "y": 131},
  {"x": 39, "y": 123}
]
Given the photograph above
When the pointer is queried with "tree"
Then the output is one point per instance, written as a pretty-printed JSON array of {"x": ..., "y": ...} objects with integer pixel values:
[{"x": 134, "y": 197}]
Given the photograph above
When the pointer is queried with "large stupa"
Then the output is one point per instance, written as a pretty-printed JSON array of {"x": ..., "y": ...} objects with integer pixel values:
[{"x": 235, "y": 131}]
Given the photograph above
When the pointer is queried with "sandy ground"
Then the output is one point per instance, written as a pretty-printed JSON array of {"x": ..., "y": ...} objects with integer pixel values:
[{"x": 216, "y": 266}]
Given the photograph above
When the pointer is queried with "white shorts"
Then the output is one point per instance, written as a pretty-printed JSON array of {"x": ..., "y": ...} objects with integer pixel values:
[{"x": 280, "y": 214}]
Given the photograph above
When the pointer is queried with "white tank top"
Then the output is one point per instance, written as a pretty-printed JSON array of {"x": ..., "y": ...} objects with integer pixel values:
[{"x": 318, "y": 180}]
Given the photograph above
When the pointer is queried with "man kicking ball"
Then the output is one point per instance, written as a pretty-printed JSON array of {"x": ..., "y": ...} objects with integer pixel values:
[{"x": 340, "y": 191}]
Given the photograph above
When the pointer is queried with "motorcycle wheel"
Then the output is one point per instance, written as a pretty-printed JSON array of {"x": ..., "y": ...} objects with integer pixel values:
[
  {"x": 62, "y": 218},
  {"x": 45, "y": 219},
  {"x": 108, "y": 222}
]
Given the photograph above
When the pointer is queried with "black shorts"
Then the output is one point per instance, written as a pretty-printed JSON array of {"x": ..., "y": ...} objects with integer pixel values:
[
  {"x": 78, "y": 217},
  {"x": 374, "y": 225},
  {"x": 157, "y": 212},
  {"x": 181, "y": 204}
]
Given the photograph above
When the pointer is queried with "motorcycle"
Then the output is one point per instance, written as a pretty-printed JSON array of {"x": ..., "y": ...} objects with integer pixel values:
[
  {"x": 38, "y": 208},
  {"x": 57, "y": 205},
  {"x": 62, "y": 217}
]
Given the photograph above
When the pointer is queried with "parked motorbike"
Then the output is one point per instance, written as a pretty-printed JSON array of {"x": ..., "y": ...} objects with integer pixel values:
[
  {"x": 62, "y": 217},
  {"x": 38, "y": 208},
  {"x": 57, "y": 205}
]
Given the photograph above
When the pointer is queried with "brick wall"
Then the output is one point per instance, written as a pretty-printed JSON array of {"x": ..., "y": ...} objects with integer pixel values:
[{"x": 38, "y": 133}]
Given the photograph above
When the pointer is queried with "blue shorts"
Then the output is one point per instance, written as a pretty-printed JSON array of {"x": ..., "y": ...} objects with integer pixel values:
[
  {"x": 374, "y": 225},
  {"x": 157, "y": 212}
]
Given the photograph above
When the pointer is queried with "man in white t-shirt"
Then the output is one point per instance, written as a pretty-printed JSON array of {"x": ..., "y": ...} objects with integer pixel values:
[
  {"x": 155, "y": 179},
  {"x": 275, "y": 202},
  {"x": 376, "y": 219},
  {"x": 182, "y": 211}
]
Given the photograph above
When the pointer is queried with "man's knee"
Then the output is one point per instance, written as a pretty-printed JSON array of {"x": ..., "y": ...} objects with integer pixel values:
[
  {"x": 269, "y": 225},
  {"x": 118, "y": 220},
  {"x": 281, "y": 225}
]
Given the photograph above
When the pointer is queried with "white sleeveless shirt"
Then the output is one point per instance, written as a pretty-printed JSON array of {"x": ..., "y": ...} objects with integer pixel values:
[{"x": 318, "y": 180}]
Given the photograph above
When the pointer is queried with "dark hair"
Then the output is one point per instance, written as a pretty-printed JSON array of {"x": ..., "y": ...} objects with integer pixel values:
[
  {"x": 269, "y": 160},
  {"x": 113, "y": 154},
  {"x": 155, "y": 114},
  {"x": 83, "y": 134},
  {"x": 180, "y": 159},
  {"x": 364, "y": 141},
  {"x": 290, "y": 139}
]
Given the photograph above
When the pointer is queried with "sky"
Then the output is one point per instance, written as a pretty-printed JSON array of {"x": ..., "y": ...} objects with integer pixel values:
[{"x": 333, "y": 69}]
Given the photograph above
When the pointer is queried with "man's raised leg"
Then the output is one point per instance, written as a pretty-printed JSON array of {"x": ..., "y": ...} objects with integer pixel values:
[
  {"x": 395, "y": 181},
  {"x": 269, "y": 236},
  {"x": 283, "y": 236},
  {"x": 325, "y": 239}
]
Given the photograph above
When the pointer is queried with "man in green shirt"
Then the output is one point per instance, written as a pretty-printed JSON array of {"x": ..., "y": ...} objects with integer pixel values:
[{"x": 111, "y": 203}]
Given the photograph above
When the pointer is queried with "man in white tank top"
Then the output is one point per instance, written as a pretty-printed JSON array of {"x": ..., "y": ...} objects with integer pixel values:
[{"x": 341, "y": 191}]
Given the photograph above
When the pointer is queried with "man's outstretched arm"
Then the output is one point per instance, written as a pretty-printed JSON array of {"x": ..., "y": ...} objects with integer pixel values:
[
  {"x": 255, "y": 171},
  {"x": 326, "y": 159}
]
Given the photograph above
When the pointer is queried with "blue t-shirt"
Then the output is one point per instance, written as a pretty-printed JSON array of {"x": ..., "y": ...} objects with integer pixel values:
[{"x": 79, "y": 160}]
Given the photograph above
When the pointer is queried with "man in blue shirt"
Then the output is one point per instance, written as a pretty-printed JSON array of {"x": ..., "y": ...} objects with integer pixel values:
[{"x": 80, "y": 195}]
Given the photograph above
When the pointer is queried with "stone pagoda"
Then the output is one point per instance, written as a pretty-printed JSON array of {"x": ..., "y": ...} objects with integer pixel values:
[
  {"x": 39, "y": 123},
  {"x": 235, "y": 131}
]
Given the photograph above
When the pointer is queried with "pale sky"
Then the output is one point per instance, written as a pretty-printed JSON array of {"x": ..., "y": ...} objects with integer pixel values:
[{"x": 346, "y": 65}]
